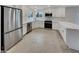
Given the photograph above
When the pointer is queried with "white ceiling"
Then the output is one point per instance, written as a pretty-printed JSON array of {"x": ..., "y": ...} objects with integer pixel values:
[{"x": 47, "y": 6}]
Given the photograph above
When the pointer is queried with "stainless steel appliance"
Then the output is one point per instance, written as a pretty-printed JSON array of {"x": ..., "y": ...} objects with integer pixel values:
[
  {"x": 48, "y": 14},
  {"x": 11, "y": 27},
  {"x": 29, "y": 27},
  {"x": 48, "y": 24}
]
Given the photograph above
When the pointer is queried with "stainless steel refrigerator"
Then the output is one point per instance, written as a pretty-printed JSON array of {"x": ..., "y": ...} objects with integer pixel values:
[{"x": 12, "y": 27}]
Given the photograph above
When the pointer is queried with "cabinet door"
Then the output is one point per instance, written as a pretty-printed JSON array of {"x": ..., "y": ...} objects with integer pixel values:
[
  {"x": 38, "y": 24},
  {"x": 41, "y": 24},
  {"x": 35, "y": 25},
  {"x": 56, "y": 25},
  {"x": 54, "y": 12},
  {"x": 59, "y": 12},
  {"x": 24, "y": 29}
]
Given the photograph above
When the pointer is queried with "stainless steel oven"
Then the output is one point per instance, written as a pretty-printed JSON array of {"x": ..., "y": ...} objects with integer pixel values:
[{"x": 48, "y": 24}]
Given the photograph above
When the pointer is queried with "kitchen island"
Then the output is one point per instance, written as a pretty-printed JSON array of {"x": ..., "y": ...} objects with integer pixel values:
[{"x": 70, "y": 34}]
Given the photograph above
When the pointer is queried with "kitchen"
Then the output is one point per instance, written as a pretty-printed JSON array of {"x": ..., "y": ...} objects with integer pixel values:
[{"x": 63, "y": 19}]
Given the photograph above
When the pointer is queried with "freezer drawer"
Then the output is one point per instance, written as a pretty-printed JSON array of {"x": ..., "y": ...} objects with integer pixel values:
[
  {"x": 9, "y": 40},
  {"x": 12, "y": 38},
  {"x": 18, "y": 34}
]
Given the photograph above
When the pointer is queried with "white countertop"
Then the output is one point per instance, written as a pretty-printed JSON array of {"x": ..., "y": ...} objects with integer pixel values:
[
  {"x": 66, "y": 25},
  {"x": 69, "y": 25}
]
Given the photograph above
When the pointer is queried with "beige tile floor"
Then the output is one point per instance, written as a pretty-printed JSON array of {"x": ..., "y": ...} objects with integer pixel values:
[{"x": 41, "y": 41}]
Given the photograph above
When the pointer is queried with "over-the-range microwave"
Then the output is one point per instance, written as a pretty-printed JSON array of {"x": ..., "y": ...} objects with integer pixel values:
[{"x": 48, "y": 14}]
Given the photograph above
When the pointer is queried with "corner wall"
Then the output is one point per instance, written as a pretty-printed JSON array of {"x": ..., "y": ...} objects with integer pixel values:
[{"x": 72, "y": 14}]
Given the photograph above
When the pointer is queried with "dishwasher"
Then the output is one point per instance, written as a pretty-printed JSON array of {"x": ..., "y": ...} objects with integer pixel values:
[{"x": 29, "y": 27}]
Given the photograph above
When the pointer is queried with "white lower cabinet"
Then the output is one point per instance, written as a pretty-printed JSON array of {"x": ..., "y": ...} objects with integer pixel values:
[
  {"x": 41, "y": 24},
  {"x": 24, "y": 29},
  {"x": 55, "y": 25},
  {"x": 37, "y": 24},
  {"x": 33, "y": 25}
]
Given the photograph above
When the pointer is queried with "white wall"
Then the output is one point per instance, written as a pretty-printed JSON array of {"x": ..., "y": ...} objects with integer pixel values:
[
  {"x": 72, "y": 14},
  {"x": 72, "y": 38}
]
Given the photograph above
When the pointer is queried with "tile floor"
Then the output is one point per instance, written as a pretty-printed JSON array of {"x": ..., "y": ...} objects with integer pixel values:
[{"x": 41, "y": 41}]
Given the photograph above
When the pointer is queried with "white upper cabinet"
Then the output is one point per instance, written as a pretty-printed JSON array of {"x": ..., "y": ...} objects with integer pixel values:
[
  {"x": 56, "y": 12},
  {"x": 49, "y": 10},
  {"x": 59, "y": 12}
]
